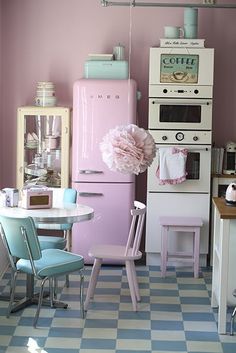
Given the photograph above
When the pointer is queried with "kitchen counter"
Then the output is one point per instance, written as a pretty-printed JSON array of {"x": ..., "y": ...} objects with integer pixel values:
[
  {"x": 224, "y": 261},
  {"x": 225, "y": 211}
]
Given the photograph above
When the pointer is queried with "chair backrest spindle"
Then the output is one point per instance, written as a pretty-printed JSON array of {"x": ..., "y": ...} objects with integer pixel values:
[{"x": 136, "y": 228}]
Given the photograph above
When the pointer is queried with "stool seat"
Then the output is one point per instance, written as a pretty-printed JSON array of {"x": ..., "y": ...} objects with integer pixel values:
[{"x": 180, "y": 224}]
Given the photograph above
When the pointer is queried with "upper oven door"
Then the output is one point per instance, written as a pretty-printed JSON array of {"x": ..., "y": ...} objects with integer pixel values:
[
  {"x": 198, "y": 166},
  {"x": 180, "y": 114}
]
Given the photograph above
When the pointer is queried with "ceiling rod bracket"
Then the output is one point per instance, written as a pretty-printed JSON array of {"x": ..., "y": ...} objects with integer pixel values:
[{"x": 104, "y": 3}]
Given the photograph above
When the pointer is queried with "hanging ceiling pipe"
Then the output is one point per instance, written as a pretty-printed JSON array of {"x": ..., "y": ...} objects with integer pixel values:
[{"x": 133, "y": 3}]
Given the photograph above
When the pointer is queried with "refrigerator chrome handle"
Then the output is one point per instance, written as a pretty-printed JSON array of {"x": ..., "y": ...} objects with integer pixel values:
[
  {"x": 90, "y": 171},
  {"x": 89, "y": 194}
]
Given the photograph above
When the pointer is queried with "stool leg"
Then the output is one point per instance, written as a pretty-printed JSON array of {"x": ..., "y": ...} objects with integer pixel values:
[
  {"x": 164, "y": 240},
  {"x": 196, "y": 251}
]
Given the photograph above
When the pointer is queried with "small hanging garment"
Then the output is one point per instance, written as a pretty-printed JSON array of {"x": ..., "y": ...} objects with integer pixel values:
[{"x": 172, "y": 165}]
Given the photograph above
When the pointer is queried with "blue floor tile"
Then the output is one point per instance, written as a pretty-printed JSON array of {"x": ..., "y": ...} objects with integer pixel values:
[
  {"x": 198, "y": 316},
  {"x": 169, "y": 346},
  {"x": 201, "y": 336},
  {"x": 229, "y": 347},
  {"x": 134, "y": 315},
  {"x": 134, "y": 334},
  {"x": 68, "y": 332},
  {"x": 195, "y": 300},
  {"x": 23, "y": 341},
  {"x": 96, "y": 323},
  {"x": 98, "y": 344},
  {"x": 164, "y": 292},
  {"x": 166, "y": 307},
  {"x": 167, "y": 325}
]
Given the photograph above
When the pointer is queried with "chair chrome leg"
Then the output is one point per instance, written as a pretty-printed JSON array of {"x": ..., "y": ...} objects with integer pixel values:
[
  {"x": 67, "y": 236},
  {"x": 12, "y": 292},
  {"x": 40, "y": 299},
  {"x": 232, "y": 322},
  {"x": 92, "y": 282},
  {"x": 67, "y": 281},
  {"x": 82, "y": 294},
  {"x": 51, "y": 290}
]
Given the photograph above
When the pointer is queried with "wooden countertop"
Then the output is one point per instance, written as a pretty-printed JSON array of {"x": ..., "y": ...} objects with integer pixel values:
[
  {"x": 227, "y": 176},
  {"x": 225, "y": 211}
]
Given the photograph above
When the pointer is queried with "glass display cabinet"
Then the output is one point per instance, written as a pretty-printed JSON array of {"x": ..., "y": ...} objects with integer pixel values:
[{"x": 43, "y": 142}]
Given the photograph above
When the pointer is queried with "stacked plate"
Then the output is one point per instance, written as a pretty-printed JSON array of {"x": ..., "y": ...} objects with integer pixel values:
[
  {"x": 45, "y": 94},
  {"x": 32, "y": 141}
]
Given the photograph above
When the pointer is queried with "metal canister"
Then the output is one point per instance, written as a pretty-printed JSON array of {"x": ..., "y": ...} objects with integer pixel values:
[
  {"x": 119, "y": 52},
  {"x": 12, "y": 197}
]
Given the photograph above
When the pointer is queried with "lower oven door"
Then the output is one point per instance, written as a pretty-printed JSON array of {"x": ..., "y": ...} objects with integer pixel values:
[{"x": 198, "y": 168}]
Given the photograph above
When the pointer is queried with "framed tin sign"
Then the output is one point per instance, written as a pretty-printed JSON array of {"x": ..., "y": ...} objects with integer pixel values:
[{"x": 179, "y": 68}]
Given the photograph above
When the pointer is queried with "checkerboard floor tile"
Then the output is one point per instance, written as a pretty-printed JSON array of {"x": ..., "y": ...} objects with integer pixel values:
[{"x": 174, "y": 316}]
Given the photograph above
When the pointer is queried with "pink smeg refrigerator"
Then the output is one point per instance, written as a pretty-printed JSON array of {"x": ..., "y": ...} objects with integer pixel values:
[{"x": 98, "y": 106}]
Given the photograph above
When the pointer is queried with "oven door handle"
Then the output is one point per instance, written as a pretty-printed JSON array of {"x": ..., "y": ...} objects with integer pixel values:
[
  {"x": 182, "y": 102},
  {"x": 191, "y": 148}
]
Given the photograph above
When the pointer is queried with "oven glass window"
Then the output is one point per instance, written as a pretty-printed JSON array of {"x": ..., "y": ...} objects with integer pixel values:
[
  {"x": 180, "y": 114},
  {"x": 193, "y": 166}
]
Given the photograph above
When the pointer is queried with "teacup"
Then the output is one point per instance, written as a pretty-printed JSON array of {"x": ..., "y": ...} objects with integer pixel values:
[{"x": 172, "y": 32}]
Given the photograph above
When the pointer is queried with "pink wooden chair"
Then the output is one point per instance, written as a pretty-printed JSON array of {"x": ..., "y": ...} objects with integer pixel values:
[{"x": 126, "y": 254}]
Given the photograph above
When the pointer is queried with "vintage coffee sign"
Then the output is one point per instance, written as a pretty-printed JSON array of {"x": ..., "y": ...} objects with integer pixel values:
[{"x": 179, "y": 68}]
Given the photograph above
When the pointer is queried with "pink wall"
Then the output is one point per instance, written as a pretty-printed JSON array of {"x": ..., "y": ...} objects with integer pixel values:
[{"x": 50, "y": 40}]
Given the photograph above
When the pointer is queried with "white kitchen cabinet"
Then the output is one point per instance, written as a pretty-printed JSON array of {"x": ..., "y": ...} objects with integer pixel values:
[
  {"x": 220, "y": 182},
  {"x": 224, "y": 247},
  {"x": 43, "y": 143}
]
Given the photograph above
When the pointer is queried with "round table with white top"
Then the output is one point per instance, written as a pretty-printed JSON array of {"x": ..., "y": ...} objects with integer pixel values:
[{"x": 64, "y": 213}]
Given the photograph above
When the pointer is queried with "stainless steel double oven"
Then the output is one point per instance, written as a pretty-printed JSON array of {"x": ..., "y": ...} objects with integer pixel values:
[{"x": 180, "y": 114}]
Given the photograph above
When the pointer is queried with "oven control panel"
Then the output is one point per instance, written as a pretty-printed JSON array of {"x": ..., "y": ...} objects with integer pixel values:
[
  {"x": 181, "y": 137},
  {"x": 170, "y": 91}
]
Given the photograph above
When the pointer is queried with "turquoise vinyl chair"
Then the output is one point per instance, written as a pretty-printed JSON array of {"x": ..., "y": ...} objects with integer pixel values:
[
  {"x": 60, "y": 195},
  {"x": 20, "y": 238}
]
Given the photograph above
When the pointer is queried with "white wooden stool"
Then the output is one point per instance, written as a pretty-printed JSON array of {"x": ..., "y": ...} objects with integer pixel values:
[{"x": 180, "y": 224}]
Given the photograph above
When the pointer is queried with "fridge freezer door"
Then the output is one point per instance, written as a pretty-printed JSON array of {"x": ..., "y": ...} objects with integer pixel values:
[
  {"x": 99, "y": 106},
  {"x": 110, "y": 225}
]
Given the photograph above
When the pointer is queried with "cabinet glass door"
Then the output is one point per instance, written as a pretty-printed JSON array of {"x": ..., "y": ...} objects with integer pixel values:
[{"x": 43, "y": 144}]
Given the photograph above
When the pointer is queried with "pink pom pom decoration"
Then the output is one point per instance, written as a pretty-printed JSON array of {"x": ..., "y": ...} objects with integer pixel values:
[{"x": 128, "y": 149}]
